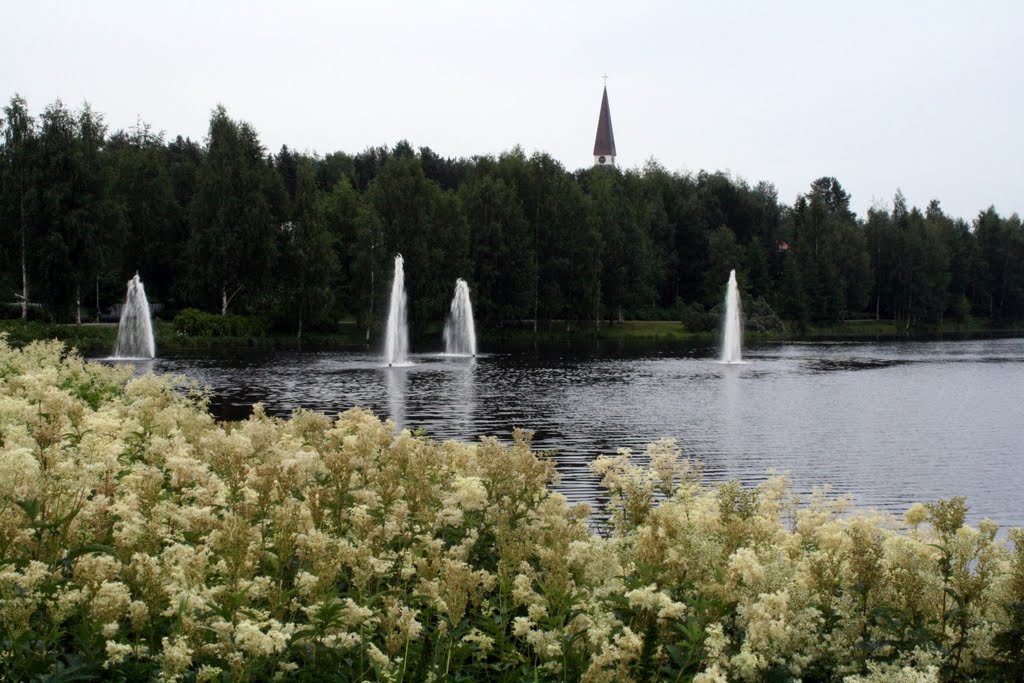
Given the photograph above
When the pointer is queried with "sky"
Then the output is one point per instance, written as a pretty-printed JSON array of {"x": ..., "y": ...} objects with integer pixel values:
[{"x": 922, "y": 97}]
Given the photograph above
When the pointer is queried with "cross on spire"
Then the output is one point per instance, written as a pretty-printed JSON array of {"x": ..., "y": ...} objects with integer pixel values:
[{"x": 606, "y": 80}]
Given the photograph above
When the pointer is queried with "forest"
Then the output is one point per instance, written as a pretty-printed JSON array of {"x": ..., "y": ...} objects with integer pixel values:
[{"x": 305, "y": 241}]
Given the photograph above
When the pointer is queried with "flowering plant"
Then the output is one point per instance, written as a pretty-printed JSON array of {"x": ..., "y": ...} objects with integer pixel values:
[{"x": 140, "y": 538}]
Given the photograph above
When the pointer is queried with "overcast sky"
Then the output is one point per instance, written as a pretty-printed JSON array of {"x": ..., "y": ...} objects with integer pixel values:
[{"x": 922, "y": 96}]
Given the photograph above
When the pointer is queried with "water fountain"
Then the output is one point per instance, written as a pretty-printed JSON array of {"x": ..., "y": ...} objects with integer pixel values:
[
  {"x": 396, "y": 344},
  {"x": 732, "y": 329},
  {"x": 459, "y": 331},
  {"x": 135, "y": 330}
]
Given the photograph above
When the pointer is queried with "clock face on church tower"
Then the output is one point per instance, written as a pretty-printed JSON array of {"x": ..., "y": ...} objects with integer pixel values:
[{"x": 600, "y": 159}]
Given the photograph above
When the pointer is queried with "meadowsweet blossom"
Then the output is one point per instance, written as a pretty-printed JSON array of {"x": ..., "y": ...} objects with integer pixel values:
[
  {"x": 915, "y": 515},
  {"x": 481, "y": 642},
  {"x": 470, "y": 493},
  {"x": 306, "y": 583},
  {"x": 116, "y": 653},
  {"x": 282, "y": 548},
  {"x": 67, "y": 603},
  {"x": 521, "y": 627},
  {"x": 716, "y": 643},
  {"x": 712, "y": 674},
  {"x": 19, "y": 471},
  {"x": 262, "y": 639},
  {"x": 20, "y": 594},
  {"x": 209, "y": 673},
  {"x": 344, "y": 640},
  {"x": 138, "y": 614},
  {"x": 408, "y": 627},
  {"x": 880, "y": 673},
  {"x": 546, "y": 643},
  {"x": 745, "y": 567},
  {"x": 175, "y": 658},
  {"x": 111, "y": 601},
  {"x": 353, "y": 614},
  {"x": 379, "y": 658}
]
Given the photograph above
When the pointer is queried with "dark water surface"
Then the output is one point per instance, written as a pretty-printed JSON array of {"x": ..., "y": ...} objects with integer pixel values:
[{"x": 890, "y": 423}]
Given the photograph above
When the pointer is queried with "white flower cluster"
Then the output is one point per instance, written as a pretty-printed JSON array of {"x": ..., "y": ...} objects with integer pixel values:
[{"x": 140, "y": 537}]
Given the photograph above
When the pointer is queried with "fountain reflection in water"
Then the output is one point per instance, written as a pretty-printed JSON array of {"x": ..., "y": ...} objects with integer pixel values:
[
  {"x": 732, "y": 330},
  {"x": 397, "y": 385},
  {"x": 396, "y": 342},
  {"x": 459, "y": 330},
  {"x": 135, "y": 330}
]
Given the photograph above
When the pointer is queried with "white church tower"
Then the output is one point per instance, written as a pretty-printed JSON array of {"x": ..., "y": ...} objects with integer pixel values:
[{"x": 604, "y": 143}]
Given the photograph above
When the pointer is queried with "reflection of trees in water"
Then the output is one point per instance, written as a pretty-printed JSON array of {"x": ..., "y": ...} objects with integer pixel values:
[{"x": 839, "y": 365}]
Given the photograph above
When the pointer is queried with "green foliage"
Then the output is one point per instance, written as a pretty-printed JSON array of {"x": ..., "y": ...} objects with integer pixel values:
[
  {"x": 233, "y": 214},
  {"x": 91, "y": 339},
  {"x": 309, "y": 240},
  {"x": 309, "y": 251},
  {"x": 696, "y": 319},
  {"x": 196, "y": 323},
  {"x": 408, "y": 213},
  {"x": 18, "y": 197},
  {"x": 151, "y": 219},
  {"x": 724, "y": 254},
  {"x": 758, "y": 316},
  {"x": 501, "y": 247}
]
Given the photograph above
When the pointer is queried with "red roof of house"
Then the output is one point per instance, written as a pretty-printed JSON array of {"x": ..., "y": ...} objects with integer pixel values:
[{"x": 604, "y": 143}]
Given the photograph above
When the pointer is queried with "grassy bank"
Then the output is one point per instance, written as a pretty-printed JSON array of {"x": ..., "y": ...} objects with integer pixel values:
[
  {"x": 559, "y": 331},
  {"x": 88, "y": 338},
  {"x": 98, "y": 339},
  {"x": 658, "y": 331},
  {"x": 888, "y": 329},
  {"x": 142, "y": 540}
]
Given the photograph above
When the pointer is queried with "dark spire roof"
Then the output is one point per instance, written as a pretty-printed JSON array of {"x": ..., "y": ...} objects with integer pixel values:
[{"x": 604, "y": 143}]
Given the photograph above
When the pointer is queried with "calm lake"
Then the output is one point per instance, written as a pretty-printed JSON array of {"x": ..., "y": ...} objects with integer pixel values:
[{"x": 889, "y": 423}]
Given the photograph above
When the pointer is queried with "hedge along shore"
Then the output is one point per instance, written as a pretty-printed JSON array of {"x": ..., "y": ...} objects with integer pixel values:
[
  {"x": 141, "y": 539},
  {"x": 174, "y": 338}
]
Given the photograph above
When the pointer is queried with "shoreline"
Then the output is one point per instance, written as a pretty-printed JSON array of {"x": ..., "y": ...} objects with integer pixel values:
[{"x": 96, "y": 338}]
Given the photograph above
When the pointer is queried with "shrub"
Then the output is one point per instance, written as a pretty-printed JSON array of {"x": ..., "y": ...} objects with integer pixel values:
[
  {"x": 141, "y": 539},
  {"x": 758, "y": 316},
  {"x": 695, "y": 318},
  {"x": 12, "y": 311},
  {"x": 195, "y": 323}
]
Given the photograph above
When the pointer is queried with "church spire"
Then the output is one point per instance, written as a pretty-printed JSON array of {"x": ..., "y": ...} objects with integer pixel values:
[{"x": 604, "y": 143}]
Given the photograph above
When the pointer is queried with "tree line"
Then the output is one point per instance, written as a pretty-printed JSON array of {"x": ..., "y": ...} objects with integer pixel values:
[{"x": 307, "y": 240}]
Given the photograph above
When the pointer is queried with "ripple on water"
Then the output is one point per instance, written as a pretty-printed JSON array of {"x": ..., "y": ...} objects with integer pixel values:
[{"x": 889, "y": 423}]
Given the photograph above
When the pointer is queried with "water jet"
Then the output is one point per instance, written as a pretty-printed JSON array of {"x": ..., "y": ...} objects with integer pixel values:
[
  {"x": 732, "y": 327},
  {"x": 396, "y": 341},
  {"x": 135, "y": 329},
  {"x": 459, "y": 329}
]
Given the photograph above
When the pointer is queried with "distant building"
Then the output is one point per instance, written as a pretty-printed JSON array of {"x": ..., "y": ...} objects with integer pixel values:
[{"x": 604, "y": 143}]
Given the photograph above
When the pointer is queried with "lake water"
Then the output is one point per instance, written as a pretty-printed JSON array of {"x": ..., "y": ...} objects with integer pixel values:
[{"x": 889, "y": 423}]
